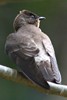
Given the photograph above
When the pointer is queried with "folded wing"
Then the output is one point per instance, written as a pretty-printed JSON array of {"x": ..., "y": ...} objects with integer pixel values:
[{"x": 52, "y": 71}]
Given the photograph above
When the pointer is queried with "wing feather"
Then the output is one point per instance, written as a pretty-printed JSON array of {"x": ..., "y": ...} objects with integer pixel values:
[
  {"x": 25, "y": 45},
  {"x": 54, "y": 66}
]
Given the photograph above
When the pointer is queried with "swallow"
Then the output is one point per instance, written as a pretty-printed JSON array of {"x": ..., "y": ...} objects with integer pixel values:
[{"x": 32, "y": 50}]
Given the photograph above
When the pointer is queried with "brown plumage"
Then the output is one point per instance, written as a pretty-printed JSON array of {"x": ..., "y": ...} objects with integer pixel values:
[{"x": 32, "y": 50}]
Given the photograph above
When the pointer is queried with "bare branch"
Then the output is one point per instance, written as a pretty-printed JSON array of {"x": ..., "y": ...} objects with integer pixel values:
[{"x": 14, "y": 75}]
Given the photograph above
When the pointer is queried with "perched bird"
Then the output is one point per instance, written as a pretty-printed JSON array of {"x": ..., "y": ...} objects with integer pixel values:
[{"x": 32, "y": 50}]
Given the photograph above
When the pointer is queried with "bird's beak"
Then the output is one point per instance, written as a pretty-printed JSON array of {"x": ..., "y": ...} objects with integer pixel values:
[{"x": 40, "y": 18}]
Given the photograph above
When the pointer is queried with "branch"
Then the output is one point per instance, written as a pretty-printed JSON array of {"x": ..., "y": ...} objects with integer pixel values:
[{"x": 14, "y": 75}]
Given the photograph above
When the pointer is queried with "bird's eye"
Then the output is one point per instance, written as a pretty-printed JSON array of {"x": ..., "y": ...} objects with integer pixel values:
[{"x": 32, "y": 16}]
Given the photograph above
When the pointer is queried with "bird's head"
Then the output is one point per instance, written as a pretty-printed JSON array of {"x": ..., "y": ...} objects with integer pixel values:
[{"x": 26, "y": 17}]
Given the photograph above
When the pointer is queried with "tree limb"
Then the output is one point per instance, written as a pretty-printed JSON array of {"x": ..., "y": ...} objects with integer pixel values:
[{"x": 14, "y": 75}]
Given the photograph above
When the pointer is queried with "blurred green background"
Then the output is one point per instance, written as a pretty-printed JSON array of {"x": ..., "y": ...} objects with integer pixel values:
[{"x": 55, "y": 26}]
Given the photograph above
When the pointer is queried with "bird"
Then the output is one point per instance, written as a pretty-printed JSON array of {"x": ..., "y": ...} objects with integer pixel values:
[{"x": 32, "y": 50}]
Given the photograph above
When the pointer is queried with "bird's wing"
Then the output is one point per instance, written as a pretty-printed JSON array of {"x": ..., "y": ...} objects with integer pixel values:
[
  {"x": 27, "y": 47},
  {"x": 24, "y": 44},
  {"x": 54, "y": 67}
]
